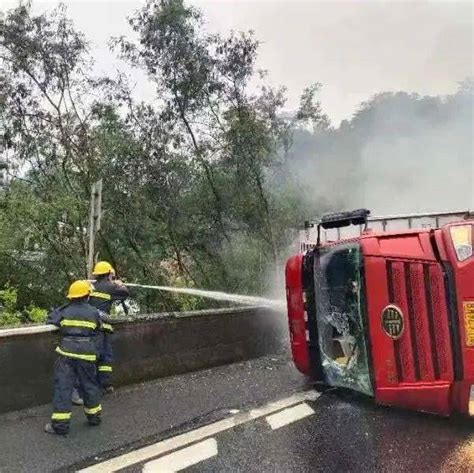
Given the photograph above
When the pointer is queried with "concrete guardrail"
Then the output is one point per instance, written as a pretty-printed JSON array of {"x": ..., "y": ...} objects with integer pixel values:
[{"x": 146, "y": 347}]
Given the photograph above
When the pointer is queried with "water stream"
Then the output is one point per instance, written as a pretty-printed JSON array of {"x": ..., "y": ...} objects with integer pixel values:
[{"x": 217, "y": 295}]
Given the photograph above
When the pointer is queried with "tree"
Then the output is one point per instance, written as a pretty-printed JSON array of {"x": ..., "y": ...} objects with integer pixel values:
[
  {"x": 231, "y": 139},
  {"x": 195, "y": 184}
]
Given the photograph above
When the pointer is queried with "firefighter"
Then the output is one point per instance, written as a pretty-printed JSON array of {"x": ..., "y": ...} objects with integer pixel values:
[
  {"x": 78, "y": 322},
  {"x": 106, "y": 291}
]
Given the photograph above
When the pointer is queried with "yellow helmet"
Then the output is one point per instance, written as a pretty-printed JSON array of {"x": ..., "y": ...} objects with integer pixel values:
[
  {"x": 102, "y": 267},
  {"x": 79, "y": 289}
]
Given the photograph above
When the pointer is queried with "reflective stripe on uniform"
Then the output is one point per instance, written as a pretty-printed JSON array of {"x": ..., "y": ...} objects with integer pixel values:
[
  {"x": 92, "y": 410},
  {"x": 107, "y": 327},
  {"x": 77, "y": 356},
  {"x": 61, "y": 416},
  {"x": 101, "y": 295},
  {"x": 78, "y": 323},
  {"x": 105, "y": 368}
]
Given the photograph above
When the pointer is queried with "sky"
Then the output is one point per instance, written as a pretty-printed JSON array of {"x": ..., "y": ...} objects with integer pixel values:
[{"x": 354, "y": 48}]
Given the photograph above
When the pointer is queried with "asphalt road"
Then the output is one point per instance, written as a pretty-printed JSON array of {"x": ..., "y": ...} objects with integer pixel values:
[{"x": 254, "y": 416}]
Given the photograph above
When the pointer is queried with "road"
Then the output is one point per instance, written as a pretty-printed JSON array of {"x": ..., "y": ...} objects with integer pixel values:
[{"x": 259, "y": 415}]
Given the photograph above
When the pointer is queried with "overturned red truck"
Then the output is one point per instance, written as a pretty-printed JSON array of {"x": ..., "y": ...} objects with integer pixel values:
[{"x": 388, "y": 312}]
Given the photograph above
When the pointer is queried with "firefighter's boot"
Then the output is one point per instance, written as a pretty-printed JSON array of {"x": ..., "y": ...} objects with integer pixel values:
[
  {"x": 49, "y": 429},
  {"x": 94, "y": 420}
]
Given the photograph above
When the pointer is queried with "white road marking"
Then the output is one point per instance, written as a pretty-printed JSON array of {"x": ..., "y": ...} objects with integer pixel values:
[
  {"x": 289, "y": 415},
  {"x": 201, "y": 433},
  {"x": 183, "y": 458}
]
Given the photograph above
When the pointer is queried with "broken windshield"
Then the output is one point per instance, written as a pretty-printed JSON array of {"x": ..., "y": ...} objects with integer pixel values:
[{"x": 340, "y": 317}]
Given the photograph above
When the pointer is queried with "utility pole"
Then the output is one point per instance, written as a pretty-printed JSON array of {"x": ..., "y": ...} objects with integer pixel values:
[
  {"x": 94, "y": 222},
  {"x": 3, "y": 172},
  {"x": 3, "y": 160}
]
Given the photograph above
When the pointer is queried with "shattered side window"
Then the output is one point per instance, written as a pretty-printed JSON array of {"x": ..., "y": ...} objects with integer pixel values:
[{"x": 341, "y": 322}]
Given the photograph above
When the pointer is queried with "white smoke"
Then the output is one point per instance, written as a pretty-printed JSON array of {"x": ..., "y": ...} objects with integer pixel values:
[{"x": 400, "y": 154}]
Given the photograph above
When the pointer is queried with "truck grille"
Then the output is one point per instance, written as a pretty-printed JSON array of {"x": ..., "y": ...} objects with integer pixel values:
[{"x": 422, "y": 352}]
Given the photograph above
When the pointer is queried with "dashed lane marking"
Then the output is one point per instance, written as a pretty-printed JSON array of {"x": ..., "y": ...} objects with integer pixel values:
[
  {"x": 289, "y": 415},
  {"x": 173, "y": 443},
  {"x": 183, "y": 458}
]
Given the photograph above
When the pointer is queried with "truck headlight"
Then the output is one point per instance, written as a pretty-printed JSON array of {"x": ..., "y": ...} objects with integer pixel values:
[{"x": 461, "y": 236}]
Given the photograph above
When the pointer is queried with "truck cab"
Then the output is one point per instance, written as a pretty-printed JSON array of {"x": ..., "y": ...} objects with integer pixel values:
[{"x": 388, "y": 309}]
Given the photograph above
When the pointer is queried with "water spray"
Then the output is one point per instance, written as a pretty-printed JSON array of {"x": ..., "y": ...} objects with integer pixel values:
[{"x": 217, "y": 295}]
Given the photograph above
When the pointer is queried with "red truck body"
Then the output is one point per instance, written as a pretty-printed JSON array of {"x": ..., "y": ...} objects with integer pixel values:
[{"x": 399, "y": 325}]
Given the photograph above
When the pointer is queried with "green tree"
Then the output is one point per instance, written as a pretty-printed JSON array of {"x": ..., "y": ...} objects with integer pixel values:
[{"x": 196, "y": 183}]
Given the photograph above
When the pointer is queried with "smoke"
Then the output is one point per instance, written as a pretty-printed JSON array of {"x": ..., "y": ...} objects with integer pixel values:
[
  {"x": 400, "y": 153},
  {"x": 428, "y": 166}
]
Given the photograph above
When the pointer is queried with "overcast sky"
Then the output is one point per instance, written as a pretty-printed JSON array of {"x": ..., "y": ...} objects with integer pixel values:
[{"x": 354, "y": 48}]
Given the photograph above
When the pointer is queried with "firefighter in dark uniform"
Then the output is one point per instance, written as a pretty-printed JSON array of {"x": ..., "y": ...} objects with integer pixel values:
[
  {"x": 78, "y": 323},
  {"x": 106, "y": 291}
]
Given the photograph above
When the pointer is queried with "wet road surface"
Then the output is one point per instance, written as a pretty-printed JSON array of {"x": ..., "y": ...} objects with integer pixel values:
[{"x": 254, "y": 416}]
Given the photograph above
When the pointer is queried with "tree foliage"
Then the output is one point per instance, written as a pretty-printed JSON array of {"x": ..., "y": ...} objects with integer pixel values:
[{"x": 186, "y": 195}]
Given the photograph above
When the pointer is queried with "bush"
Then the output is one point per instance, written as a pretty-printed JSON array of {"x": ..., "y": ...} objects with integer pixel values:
[
  {"x": 10, "y": 318},
  {"x": 9, "y": 313},
  {"x": 8, "y": 299},
  {"x": 37, "y": 315}
]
